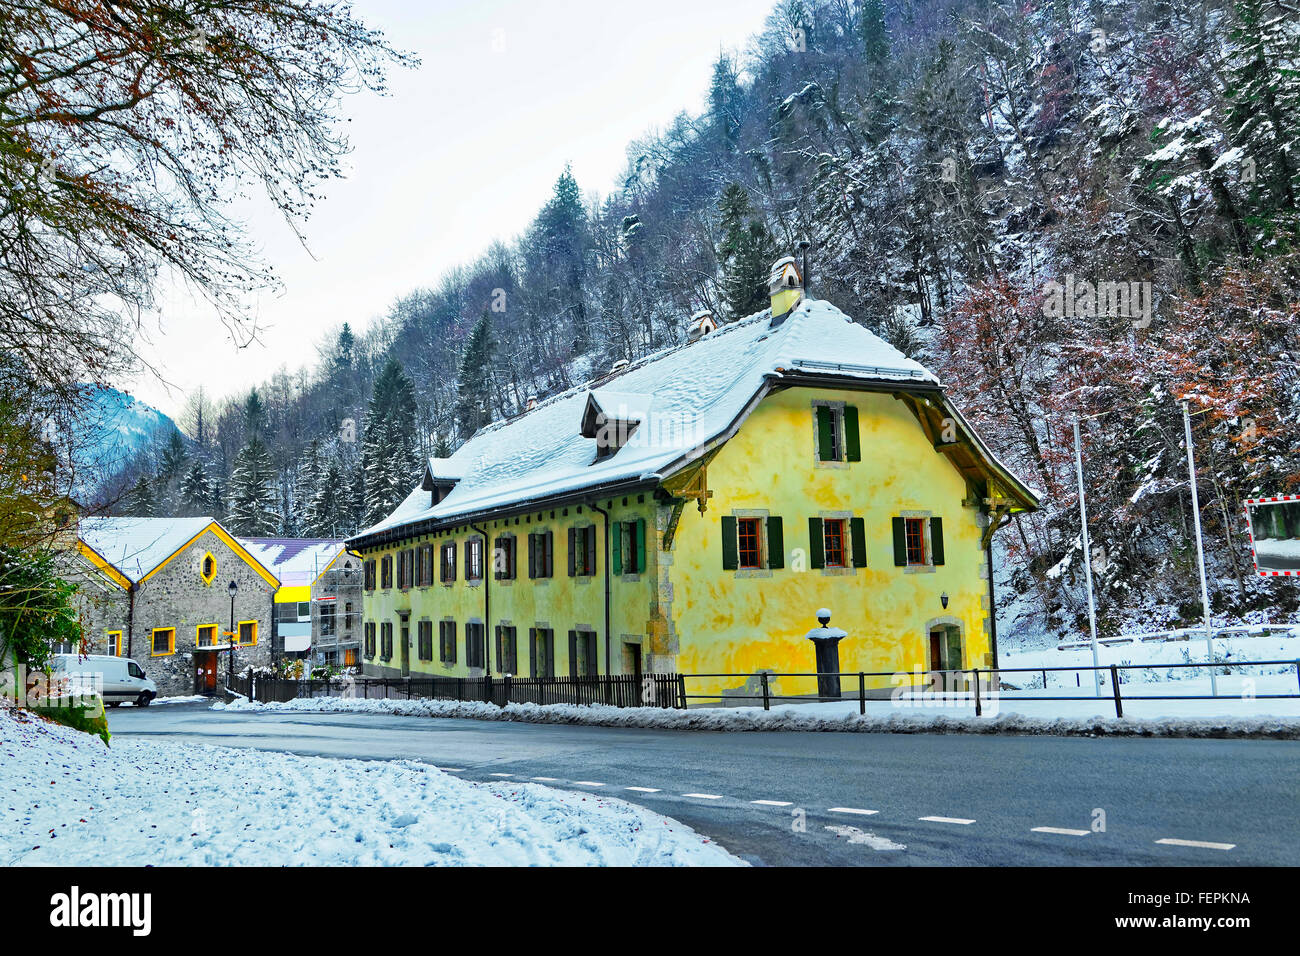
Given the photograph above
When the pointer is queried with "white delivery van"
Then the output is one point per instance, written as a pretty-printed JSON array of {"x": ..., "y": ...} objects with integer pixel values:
[{"x": 123, "y": 679}]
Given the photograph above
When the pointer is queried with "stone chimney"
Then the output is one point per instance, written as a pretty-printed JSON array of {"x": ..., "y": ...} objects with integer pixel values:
[{"x": 785, "y": 285}]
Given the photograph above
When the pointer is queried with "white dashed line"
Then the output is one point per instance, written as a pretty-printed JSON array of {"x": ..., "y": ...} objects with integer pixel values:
[
  {"x": 587, "y": 783},
  {"x": 1198, "y": 843},
  {"x": 547, "y": 779},
  {"x": 947, "y": 820},
  {"x": 865, "y": 813},
  {"x": 501, "y": 775},
  {"x": 704, "y": 796},
  {"x": 773, "y": 803},
  {"x": 452, "y": 769},
  {"x": 1063, "y": 831},
  {"x": 642, "y": 789}
]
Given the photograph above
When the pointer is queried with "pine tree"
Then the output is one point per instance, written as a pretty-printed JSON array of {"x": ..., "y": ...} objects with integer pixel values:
[
  {"x": 875, "y": 36},
  {"x": 746, "y": 254},
  {"x": 174, "y": 456},
  {"x": 726, "y": 100},
  {"x": 556, "y": 257},
  {"x": 474, "y": 378},
  {"x": 327, "y": 515},
  {"x": 140, "y": 502},
  {"x": 252, "y": 493},
  {"x": 388, "y": 454},
  {"x": 196, "y": 491}
]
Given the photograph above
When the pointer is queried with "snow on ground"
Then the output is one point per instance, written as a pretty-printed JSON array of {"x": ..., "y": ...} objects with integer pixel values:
[
  {"x": 1087, "y": 717},
  {"x": 67, "y": 800}
]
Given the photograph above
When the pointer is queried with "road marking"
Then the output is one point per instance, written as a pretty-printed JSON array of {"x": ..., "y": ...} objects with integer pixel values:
[
  {"x": 946, "y": 820},
  {"x": 642, "y": 789},
  {"x": 1199, "y": 843},
  {"x": 1063, "y": 831},
  {"x": 773, "y": 803},
  {"x": 501, "y": 775},
  {"x": 704, "y": 796},
  {"x": 867, "y": 838},
  {"x": 587, "y": 783},
  {"x": 547, "y": 779},
  {"x": 865, "y": 813},
  {"x": 452, "y": 769}
]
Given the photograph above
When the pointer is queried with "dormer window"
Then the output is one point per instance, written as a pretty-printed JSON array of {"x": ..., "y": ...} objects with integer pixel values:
[
  {"x": 440, "y": 478},
  {"x": 611, "y": 418}
]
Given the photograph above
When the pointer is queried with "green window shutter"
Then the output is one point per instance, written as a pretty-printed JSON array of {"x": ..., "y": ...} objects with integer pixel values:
[
  {"x": 900, "y": 542},
  {"x": 532, "y": 652},
  {"x": 590, "y": 551},
  {"x": 825, "y": 433},
  {"x": 549, "y": 550},
  {"x": 573, "y": 653},
  {"x": 816, "y": 549},
  {"x": 858, "y": 536},
  {"x": 640, "y": 545},
  {"x": 573, "y": 551},
  {"x": 775, "y": 543},
  {"x": 730, "y": 557},
  {"x": 618, "y": 547},
  {"x": 936, "y": 540},
  {"x": 852, "y": 443}
]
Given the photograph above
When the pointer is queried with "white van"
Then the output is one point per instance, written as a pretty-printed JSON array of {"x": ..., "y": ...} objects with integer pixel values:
[{"x": 123, "y": 679}]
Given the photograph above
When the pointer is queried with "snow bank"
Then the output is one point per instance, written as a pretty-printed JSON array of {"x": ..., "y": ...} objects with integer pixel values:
[
  {"x": 67, "y": 800},
  {"x": 882, "y": 717}
]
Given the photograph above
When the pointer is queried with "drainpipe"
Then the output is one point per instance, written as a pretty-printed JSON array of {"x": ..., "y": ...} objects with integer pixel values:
[
  {"x": 993, "y": 605},
  {"x": 487, "y": 601},
  {"x": 130, "y": 620},
  {"x": 603, "y": 512}
]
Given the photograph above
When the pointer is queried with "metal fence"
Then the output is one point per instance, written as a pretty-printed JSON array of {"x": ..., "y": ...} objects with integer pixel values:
[{"x": 975, "y": 685}]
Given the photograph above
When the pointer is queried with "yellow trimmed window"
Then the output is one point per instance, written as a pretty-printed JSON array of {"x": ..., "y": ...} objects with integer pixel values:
[
  {"x": 208, "y": 568},
  {"x": 247, "y": 633},
  {"x": 163, "y": 641},
  {"x": 114, "y": 642},
  {"x": 205, "y": 635}
]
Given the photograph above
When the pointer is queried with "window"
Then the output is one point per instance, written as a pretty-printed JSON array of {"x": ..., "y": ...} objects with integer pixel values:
[
  {"x": 135, "y": 670},
  {"x": 386, "y": 572},
  {"x": 424, "y": 640},
  {"x": 163, "y": 641},
  {"x": 541, "y": 554},
  {"x": 837, "y": 433},
  {"x": 326, "y": 618},
  {"x": 918, "y": 541},
  {"x": 247, "y": 633},
  {"x": 386, "y": 641},
  {"x": 629, "y": 546},
  {"x": 370, "y": 575},
  {"x": 370, "y": 639},
  {"x": 208, "y": 568},
  {"x": 474, "y": 648},
  {"x": 474, "y": 559},
  {"x": 447, "y": 642},
  {"x": 424, "y": 576},
  {"x": 449, "y": 562},
  {"x": 837, "y": 543},
  {"x": 945, "y": 648},
  {"x": 582, "y": 551},
  {"x": 541, "y": 652},
  {"x": 405, "y": 568},
  {"x": 503, "y": 558},
  {"x": 205, "y": 635},
  {"x": 507, "y": 650},
  {"x": 582, "y": 654},
  {"x": 350, "y": 657},
  {"x": 347, "y": 617},
  {"x": 750, "y": 551},
  {"x": 752, "y": 543},
  {"x": 114, "y": 643}
]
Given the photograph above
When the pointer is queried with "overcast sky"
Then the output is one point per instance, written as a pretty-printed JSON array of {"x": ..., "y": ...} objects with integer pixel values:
[{"x": 462, "y": 151}]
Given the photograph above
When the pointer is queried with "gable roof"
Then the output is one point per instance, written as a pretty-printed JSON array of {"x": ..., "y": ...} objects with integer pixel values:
[
  {"x": 700, "y": 393},
  {"x": 132, "y": 550},
  {"x": 296, "y": 561}
]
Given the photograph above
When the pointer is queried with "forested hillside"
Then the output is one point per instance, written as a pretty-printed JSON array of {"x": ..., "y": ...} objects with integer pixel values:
[{"x": 1065, "y": 209}]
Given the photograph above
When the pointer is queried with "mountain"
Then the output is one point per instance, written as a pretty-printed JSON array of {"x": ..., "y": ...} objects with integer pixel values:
[{"x": 113, "y": 429}]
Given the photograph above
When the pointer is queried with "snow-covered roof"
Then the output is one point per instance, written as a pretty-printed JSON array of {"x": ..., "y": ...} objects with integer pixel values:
[
  {"x": 699, "y": 391},
  {"x": 136, "y": 546},
  {"x": 295, "y": 561}
]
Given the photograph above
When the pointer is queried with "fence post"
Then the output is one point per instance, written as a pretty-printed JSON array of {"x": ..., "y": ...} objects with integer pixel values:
[
  {"x": 862, "y": 694},
  {"x": 767, "y": 699},
  {"x": 681, "y": 689},
  {"x": 1114, "y": 680},
  {"x": 979, "y": 711}
]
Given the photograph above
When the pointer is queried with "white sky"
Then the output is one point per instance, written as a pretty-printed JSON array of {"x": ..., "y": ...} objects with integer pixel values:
[{"x": 464, "y": 150}]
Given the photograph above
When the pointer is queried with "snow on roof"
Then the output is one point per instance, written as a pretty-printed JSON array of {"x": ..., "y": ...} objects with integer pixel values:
[
  {"x": 446, "y": 469},
  {"x": 295, "y": 561},
  {"x": 135, "y": 546},
  {"x": 699, "y": 390}
]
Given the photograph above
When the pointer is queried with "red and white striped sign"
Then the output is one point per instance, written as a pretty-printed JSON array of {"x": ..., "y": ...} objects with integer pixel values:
[{"x": 1250, "y": 503}]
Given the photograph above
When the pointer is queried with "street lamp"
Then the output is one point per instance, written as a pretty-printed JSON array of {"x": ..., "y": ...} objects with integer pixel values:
[{"x": 232, "y": 589}]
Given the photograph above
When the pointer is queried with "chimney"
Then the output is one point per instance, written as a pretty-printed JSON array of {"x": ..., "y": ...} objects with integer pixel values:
[
  {"x": 785, "y": 285},
  {"x": 530, "y": 403},
  {"x": 702, "y": 323}
]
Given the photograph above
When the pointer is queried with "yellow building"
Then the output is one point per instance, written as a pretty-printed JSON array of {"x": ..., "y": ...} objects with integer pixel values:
[{"x": 691, "y": 511}]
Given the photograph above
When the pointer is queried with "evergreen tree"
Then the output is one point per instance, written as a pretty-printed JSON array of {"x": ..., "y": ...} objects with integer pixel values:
[
  {"x": 726, "y": 101},
  {"x": 556, "y": 257},
  {"x": 746, "y": 254},
  {"x": 196, "y": 491},
  {"x": 388, "y": 454},
  {"x": 327, "y": 515},
  {"x": 474, "y": 378},
  {"x": 140, "y": 502},
  {"x": 875, "y": 37},
  {"x": 252, "y": 493},
  {"x": 174, "y": 456}
]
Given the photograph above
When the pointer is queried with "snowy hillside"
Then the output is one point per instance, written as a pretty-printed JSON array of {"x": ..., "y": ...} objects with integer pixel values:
[{"x": 112, "y": 429}]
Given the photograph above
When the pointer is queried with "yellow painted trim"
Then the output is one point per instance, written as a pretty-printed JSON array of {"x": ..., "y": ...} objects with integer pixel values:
[
  {"x": 239, "y": 627},
  {"x": 208, "y": 578},
  {"x": 102, "y": 563},
  {"x": 293, "y": 593},
  {"x": 108, "y": 643},
  {"x": 229, "y": 542},
  {"x": 216, "y": 635},
  {"x": 153, "y": 642}
]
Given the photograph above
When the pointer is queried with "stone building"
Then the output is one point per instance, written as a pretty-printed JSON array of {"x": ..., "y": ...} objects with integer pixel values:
[{"x": 180, "y": 596}]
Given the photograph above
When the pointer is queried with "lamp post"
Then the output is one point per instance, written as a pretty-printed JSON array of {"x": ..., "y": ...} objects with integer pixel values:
[{"x": 232, "y": 589}]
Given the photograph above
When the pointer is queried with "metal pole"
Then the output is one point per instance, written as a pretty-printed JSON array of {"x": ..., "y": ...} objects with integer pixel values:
[
  {"x": 1087, "y": 558},
  {"x": 1200, "y": 549}
]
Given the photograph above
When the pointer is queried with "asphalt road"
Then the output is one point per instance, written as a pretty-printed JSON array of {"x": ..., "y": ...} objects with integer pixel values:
[{"x": 989, "y": 794}]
